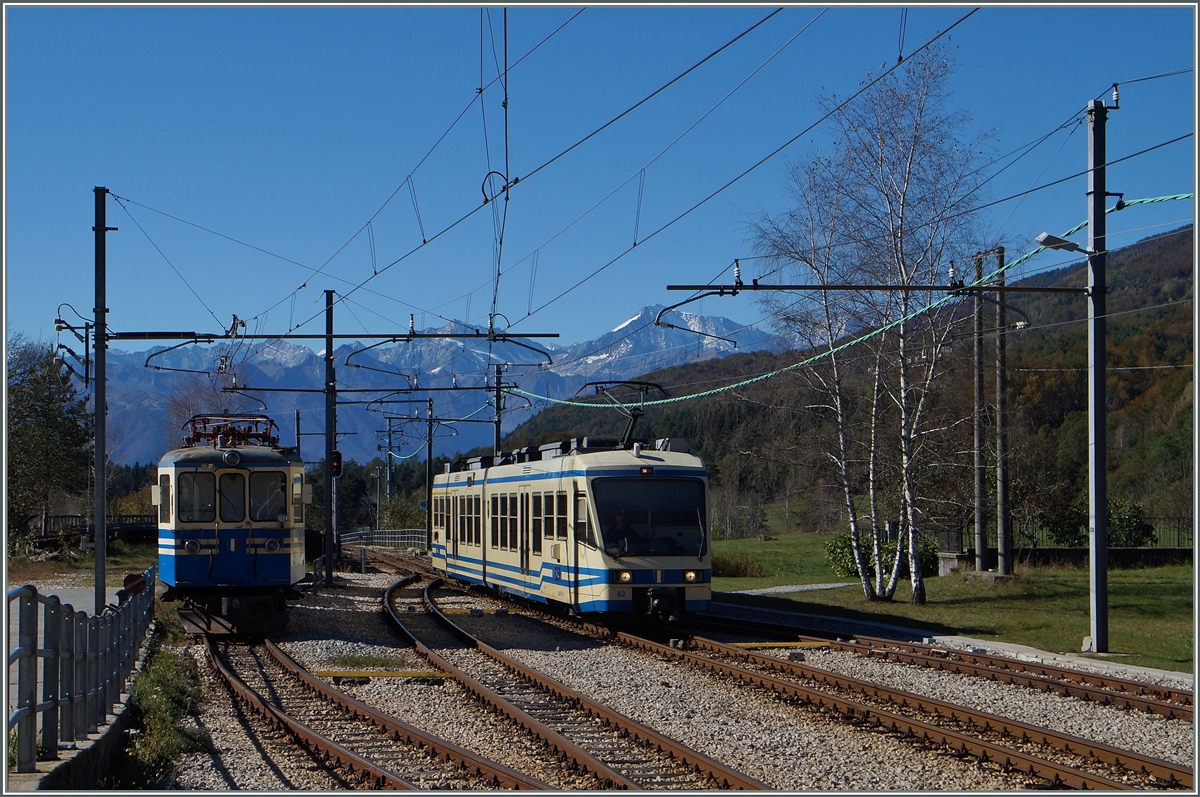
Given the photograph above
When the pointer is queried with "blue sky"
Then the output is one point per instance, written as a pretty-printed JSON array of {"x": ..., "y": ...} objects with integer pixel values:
[{"x": 286, "y": 130}]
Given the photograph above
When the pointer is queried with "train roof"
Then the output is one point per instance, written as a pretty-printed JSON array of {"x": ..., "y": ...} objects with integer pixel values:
[
  {"x": 254, "y": 456},
  {"x": 669, "y": 455}
]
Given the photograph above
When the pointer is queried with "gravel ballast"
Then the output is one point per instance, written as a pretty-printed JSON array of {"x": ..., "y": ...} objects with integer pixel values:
[{"x": 757, "y": 733}]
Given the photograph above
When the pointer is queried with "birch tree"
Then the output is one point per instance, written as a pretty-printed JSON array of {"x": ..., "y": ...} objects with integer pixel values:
[{"x": 890, "y": 206}]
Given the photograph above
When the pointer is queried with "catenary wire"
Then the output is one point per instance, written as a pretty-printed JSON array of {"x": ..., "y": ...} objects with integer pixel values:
[{"x": 721, "y": 189}]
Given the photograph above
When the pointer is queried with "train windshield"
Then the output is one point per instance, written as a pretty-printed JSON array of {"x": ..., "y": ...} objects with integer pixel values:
[{"x": 651, "y": 516}]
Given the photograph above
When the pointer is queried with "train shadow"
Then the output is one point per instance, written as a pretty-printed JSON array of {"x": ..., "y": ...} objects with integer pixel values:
[{"x": 805, "y": 616}]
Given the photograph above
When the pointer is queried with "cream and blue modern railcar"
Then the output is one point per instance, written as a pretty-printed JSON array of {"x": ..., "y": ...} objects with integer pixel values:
[
  {"x": 586, "y": 524},
  {"x": 231, "y": 524}
]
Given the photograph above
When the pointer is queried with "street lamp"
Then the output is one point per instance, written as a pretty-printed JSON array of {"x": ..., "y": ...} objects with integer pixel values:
[{"x": 1054, "y": 242}]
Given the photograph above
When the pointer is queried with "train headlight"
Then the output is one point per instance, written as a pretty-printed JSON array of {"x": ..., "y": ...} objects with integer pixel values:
[
  {"x": 625, "y": 577},
  {"x": 272, "y": 545},
  {"x": 232, "y": 458},
  {"x": 192, "y": 546},
  {"x": 691, "y": 576}
]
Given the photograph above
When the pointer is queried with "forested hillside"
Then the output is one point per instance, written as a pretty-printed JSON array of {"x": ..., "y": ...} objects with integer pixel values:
[{"x": 770, "y": 441}]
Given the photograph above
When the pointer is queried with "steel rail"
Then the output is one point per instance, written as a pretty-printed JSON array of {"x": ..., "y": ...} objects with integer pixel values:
[
  {"x": 578, "y": 757},
  {"x": 1122, "y": 692},
  {"x": 1095, "y": 687},
  {"x": 725, "y": 776},
  {"x": 1173, "y": 774},
  {"x": 1060, "y": 775},
  {"x": 502, "y": 776},
  {"x": 332, "y": 751},
  {"x": 728, "y": 778}
]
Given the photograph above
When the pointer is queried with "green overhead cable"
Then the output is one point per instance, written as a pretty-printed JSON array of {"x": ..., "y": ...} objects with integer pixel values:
[
  {"x": 868, "y": 336},
  {"x": 399, "y": 458}
]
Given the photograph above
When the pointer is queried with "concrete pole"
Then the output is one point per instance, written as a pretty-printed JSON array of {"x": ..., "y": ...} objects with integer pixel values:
[
  {"x": 1003, "y": 517},
  {"x": 429, "y": 479},
  {"x": 330, "y": 439},
  {"x": 100, "y": 507},
  {"x": 1097, "y": 345},
  {"x": 388, "y": 460},
  {"x": 499, "y": 396},
  {"x": 980, "y": 528}
]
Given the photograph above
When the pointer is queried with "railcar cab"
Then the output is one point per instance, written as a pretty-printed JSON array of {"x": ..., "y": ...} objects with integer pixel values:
[
  {"x": 231, "y": 528},
  {"x": 591, "y": 524}
]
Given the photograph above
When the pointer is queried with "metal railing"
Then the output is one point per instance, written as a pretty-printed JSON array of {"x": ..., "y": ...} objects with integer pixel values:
[
  {"x": 1176, "y": 532},
  {"x": 386, "y": 538},
  {"x": 86, "y": 662}
]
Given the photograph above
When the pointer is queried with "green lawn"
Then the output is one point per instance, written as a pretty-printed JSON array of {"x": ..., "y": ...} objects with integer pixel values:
[{"x": 1151, "y": 621}]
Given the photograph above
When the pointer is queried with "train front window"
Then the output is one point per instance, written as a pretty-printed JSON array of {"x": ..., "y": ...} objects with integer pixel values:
[
  {"x": 197, "y": 493},
  {"x": 268, "y": 495},
  {"x": 233, "y": 497},
  {"x": 650, "y": 516}
]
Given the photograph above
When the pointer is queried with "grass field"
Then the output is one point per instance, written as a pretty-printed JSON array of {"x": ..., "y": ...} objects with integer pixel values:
[
  {"x": 1151, "y": 611},
  {"x": 1151, "y": 620}
]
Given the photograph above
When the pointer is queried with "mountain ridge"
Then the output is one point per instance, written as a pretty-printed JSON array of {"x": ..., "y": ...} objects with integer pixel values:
[{"x": 143, "y": 386}]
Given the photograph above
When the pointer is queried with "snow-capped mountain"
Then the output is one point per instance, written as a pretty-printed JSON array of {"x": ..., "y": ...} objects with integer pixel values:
[{"x": 143, "y": 385}]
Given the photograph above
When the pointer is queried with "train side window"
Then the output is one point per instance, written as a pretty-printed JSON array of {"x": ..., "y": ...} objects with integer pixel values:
[
  {"x": 512, "y": 521},
  {"x": 561, "y": 515},
  {"x": 548, "y": 514},
  {"x": 232, "y": 493},
  {"x": 504, "y": 522},
  {"x": 583, "y": 530},
  {"x": 478, "y": 521},
  {"x": 495, "y": 521},
  {"x": 197, "y": 492},
  {"x": 267, "y": 496},
  {"x": 297, "y": 498},
  {"x": 536, "y": 517},
  {"x": 463, "y": 531},
  {"x": 164, "y": 502}
]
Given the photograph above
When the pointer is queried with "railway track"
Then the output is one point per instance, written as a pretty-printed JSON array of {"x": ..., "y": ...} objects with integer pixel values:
[
  {"x": 376, "y": 750},
  {"x": 1047, "y": 758},
  {"x": 618, "y": 751},
  {"x": 958, "y": 728},
  {"x": 1073, "y": 763},
  {"x": 1093, "y": 687}
]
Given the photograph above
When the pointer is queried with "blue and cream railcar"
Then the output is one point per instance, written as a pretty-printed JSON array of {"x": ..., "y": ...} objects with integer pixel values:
[
  {"x": 585, "y": 524},
  {"x": 231, "y": 524}
]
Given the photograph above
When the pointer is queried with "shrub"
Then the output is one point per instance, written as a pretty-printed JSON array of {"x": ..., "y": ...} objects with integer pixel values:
[
  {"x": 840, "y": 554},
  {"x": 1126, "y": 526},
  {"x": 164, "y": 692},
  {"x": 1067, "y": 527}
]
